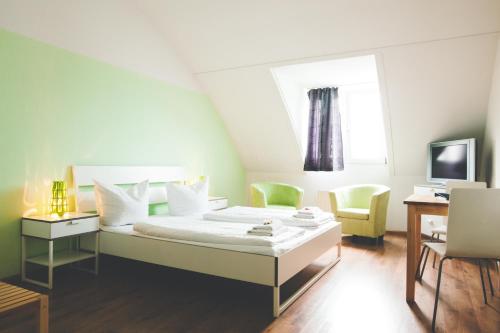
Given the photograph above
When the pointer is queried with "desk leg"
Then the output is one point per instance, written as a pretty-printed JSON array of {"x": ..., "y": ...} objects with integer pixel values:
[
  {"x": 418, "y": 239},
  {"x": 411, "y": 253}
]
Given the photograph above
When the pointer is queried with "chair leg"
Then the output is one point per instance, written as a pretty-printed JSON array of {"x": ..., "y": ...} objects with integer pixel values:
[
  {"x": 437, "y": 293},
  {"x": 498, "y": 273},
  {"x": 425, "y": 263},
  {"x": 489, "y": 278},
  {"x": 418, "y": 273},
  {"x": 435, "y": 254},
  {"x": 482, "y": 281}
]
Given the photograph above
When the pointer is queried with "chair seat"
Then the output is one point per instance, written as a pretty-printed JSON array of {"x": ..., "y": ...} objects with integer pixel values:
[
  {"x": 354, "y": 213},
  {"x": 439, "y": 248},
  {"x": 442, "y": 230},
  {"x": 281, "y": 207}
]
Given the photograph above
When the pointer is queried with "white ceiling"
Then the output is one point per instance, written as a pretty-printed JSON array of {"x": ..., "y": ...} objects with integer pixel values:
[
  {"x": 221, "y": 34},
  {"x": 435, "y": 57}
]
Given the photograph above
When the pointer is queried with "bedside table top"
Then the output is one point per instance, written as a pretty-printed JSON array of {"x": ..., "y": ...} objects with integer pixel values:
[{"x": 56, "y": 218}]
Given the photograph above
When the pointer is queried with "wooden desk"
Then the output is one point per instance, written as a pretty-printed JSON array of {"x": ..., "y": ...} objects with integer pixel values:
[{"x": 418, "y": 205}]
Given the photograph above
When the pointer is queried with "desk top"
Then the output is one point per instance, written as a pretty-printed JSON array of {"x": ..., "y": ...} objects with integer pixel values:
[{"x": 417, "y": 199}]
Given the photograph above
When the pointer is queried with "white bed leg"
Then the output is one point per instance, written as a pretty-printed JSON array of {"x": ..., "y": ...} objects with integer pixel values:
[
  {"x": 278, "y": 308},
  {"x": 276, "y": 301}
]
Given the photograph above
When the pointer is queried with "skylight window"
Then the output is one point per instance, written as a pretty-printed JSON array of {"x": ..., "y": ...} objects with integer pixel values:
[{"x": 363, "y": 133}]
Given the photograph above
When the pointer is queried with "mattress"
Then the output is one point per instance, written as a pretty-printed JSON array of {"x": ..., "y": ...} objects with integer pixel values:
[
  {"x": 256, "y": 215},
  {"x": 275, "y": 249}
]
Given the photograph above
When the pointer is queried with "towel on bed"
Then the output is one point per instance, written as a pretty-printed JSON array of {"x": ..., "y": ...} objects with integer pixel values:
[
  {"x": 213, "y": 232},
  {"x": 271, "y": 227},
  {"x": 254, "y": 215}
]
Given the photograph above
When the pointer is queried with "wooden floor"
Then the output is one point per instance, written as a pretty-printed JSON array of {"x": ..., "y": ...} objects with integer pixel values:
[{"x": 363, "y": 293}]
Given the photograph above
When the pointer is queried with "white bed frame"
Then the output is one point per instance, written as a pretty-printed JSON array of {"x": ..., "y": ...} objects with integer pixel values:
[{"x": 256, "y": 268}]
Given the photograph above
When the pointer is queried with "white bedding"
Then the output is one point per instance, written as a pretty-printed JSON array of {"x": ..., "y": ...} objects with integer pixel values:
[
  {"x": 189, "y": 228},
  {"x": 250, "y": 245},
  {"x": 254, "y": 215}
]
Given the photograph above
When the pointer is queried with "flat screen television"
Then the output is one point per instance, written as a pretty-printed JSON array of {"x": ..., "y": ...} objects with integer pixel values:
[{"x": 451, "y": 160}]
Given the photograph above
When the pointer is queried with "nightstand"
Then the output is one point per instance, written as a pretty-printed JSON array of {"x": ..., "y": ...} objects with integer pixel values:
[
  {"x": 217, "y": 203},
  {"x": 73, "y": 226}
]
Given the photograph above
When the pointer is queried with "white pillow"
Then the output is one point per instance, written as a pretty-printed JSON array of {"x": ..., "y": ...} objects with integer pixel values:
[
  {"x": 117, "y": 206},
  {"x": 187, "y": 199}
]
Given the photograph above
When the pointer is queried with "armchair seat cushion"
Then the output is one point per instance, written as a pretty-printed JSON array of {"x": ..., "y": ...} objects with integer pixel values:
[{"x": 354, "y": 213}]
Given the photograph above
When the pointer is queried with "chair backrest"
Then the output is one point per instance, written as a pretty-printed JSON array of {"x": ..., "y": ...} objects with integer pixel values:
[
  {"x": 450, "y": 185},
  {"x": 474, "y": 223}
]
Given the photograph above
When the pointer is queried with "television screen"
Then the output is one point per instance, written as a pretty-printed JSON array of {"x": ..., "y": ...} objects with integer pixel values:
[{"x": 449, "y": 162}]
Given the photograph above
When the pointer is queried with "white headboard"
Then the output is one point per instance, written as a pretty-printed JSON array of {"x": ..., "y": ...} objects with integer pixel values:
[{"x": 83, "y": 178}]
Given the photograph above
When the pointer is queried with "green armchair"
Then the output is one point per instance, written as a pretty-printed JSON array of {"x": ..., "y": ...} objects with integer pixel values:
[
  {"x": 362, "y": 209},
  {"x": 276, "y": 195}
]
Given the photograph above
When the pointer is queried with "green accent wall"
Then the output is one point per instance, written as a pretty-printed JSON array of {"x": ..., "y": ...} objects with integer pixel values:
[{"x": 59, "y": 109}]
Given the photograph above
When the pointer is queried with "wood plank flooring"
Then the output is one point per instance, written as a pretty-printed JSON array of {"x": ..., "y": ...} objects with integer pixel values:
[{"x": 362, "y": 293}]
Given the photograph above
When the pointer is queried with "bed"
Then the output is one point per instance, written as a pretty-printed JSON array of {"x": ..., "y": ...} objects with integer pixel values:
[{"x": 256, "y": 264}]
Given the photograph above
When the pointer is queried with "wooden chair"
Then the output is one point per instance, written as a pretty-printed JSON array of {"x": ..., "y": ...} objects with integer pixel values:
[{"x": 12, "y": 297}]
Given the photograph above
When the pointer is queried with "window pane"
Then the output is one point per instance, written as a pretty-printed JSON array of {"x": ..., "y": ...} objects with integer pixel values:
[{"x": 366, "y": 131}]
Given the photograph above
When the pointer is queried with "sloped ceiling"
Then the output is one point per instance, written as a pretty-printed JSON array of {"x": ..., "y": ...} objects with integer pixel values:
[{"x": 436, "y": 58}]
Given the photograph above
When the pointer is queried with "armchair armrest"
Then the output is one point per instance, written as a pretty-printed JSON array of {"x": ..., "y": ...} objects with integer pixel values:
[
  {"x": 378, "y": 208},
  {"x": 336, "y": 200},
  {"x": 258, "y": 197},
  {"x": 296, "y": 194}
]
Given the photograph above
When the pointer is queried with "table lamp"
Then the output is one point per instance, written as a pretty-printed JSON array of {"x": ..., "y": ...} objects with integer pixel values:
[{"x": 59, "y": 202}]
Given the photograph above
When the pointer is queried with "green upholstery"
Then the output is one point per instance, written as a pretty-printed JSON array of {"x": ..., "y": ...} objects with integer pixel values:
[
  {"x": 276, "y": 195},
  {"x": 362, "y": 209}
]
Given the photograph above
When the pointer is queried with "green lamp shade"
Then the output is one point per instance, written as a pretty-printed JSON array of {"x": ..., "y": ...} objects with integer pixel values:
[{"x": 59, "y": 202}]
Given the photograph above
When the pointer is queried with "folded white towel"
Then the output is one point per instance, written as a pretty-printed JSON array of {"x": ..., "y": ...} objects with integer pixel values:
[
  {"x": 310, "y": 211},
  {"x": 271, "y": 225},
  {"x": 268, "y": 233},
  {"x": 306, "y": 212},
  {"x": 305, "y": 216}
]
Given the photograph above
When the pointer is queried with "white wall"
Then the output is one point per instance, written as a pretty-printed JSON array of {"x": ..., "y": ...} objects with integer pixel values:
[
  {"x": 437, "y": 58},
  {"x": 491, "y": 153},
  {"x": 113, "y": 31},
  {"x": 436, "y": 62},
  {"x": 433, "y": 91}
]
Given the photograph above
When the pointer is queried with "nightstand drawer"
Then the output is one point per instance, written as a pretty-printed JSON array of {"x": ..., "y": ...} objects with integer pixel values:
[
  {"x": 74, "y": 227},
  {"x": 52, "y": 230}
]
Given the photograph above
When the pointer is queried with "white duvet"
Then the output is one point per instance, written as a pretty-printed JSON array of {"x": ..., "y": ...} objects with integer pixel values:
[
  {"x": 254, "y": 215},
  {"x": 194, "y": 229}
]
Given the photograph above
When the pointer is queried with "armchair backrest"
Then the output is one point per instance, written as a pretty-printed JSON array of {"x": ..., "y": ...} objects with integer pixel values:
[
  {"x": 279, "y": 193},
  {"x": 357, "y": 196},
  {"x": 474, "y": 223}
]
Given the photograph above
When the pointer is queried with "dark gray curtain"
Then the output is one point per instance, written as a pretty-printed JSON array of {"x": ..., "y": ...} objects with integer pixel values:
[{"x": 324, "y": 142}]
